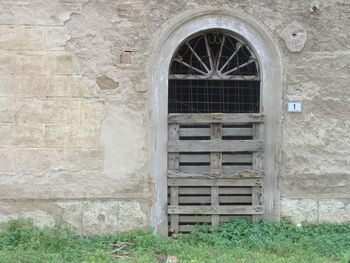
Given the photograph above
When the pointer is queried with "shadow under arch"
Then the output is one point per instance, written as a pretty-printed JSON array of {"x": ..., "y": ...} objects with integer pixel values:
[{"x": 168, "y": 39}]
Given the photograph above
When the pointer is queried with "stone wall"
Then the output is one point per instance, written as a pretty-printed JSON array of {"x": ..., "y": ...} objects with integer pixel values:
[{"x": 74, "y": 112}]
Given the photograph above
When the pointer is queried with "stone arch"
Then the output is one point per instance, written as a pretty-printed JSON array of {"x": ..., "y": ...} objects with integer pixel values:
[{"x": 261, "y": 41}]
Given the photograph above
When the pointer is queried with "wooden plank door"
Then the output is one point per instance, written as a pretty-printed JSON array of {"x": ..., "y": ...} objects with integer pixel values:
[{"x": 215, "y": 168}]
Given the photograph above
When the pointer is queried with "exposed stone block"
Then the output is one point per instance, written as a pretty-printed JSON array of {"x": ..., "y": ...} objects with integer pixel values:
[
  {"x": 47, "y": 111},
  {"x": 100, "y": 217},
  {"x": 87, "y": 217},
  {"x": 7, "y": 160},
  {"x": 61, "y": 64},
  {"x": 131, "y": 216},
  {"x": 336, "y": 211},
  {"x": 8, "y": 62},
  {"x": 6, "y": 135},
  {"x": 91, "y": 159},
  {"x": 300, "y": 210},
  {"x": 6, "y": 110},
  {"x": 58, "y": 86},
  {"x": 81, "y": 88},
  {"x": 22, "y": 38},
  {"x": 32, "y": 64},
  {"x": 83, "y": 135},
  {"x": 39, "y": 218},
  {"x": 35, "y": 160},
  {"x": 8, "y": 37},
  {"x": 72, "y": 214},
  {"x": 9, "y": 85},
  {"x": 21, "y": 135},
  {"x": 28, "y": 135},
  {"x": 33, "y": 86},
  {"x": 69, "y": 160},
  {"x": 72, "y": 135},
  {"x": 39, "y": 161},
  {"x": 92, "y": 111}
]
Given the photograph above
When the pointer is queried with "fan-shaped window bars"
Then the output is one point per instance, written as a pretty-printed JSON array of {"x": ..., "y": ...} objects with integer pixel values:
[{"x": 214, "y": 72}]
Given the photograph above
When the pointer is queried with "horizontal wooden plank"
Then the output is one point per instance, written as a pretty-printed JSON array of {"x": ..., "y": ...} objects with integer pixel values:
[
  {"x": 194, "y": 199},
  {"x": 194, "y": 191},
  {"x": 194, "y": 169},
  {"x": 236, "y": 158},
  {"x": 194, "y": 132},
  {"x": 232, "y": 169},
  {"x": 195, "y": 158},
  {"x": 237, "y": 132},
  {"x": 185, "y": 228},
  {"x": 207, "y": 190},
  {"x": 207, "y": 219},
  {"x": 214, "y": 182},
  {"x": 222, "y": 191},
  {"x": 215, "y": 118},
  {"x": 235, "y": 190},
  {"x": 195, "y": 219},
  {"x": 209, "y": 210},
  {"x": 235, "y": 199},
  {"x": 215, "y": 146},
  {"x": 224, "y": 219},
  {"x": 209, "y": 175},
  {"x": 207, "y": 199},
  {"x": 228, "y": 169},
  {"x": 205, "y": 132}
]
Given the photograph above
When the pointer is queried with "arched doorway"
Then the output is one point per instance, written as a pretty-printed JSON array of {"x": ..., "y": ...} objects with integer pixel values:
[
  {"x": 215, "y": 139},
  {"x": 265, "y": 85}
]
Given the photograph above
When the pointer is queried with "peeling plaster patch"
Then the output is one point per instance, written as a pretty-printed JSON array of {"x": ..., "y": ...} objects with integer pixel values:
[
  {"x": 106, "y": 83},
  {"x": 122, "y": 134},
  {"x": 295, "y": 36}
]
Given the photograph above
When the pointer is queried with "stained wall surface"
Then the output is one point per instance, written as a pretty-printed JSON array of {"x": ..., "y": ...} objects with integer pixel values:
[{"x": 74, "y": 113}]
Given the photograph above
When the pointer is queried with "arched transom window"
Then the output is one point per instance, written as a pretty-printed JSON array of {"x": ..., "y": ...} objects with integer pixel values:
[{"x": 214, "y": 72}]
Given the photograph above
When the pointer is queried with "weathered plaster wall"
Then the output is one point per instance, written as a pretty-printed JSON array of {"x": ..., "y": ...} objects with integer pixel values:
[{"x": 74, "y": 112}]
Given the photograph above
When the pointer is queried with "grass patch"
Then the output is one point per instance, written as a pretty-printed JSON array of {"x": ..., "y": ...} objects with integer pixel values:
[{"x": 237, "y": 241}]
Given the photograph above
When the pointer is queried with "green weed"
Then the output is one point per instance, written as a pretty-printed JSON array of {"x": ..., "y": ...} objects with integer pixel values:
[{"x": 238, "y": 241}]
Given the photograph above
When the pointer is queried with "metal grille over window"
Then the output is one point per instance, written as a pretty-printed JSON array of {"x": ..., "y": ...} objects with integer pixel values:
[
  {"x": 215, "y": 133},
  {"x": 214, "y": 72}
]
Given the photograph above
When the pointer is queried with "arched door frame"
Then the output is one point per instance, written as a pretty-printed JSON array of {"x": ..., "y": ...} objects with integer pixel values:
[{"x": 169, "y": 38}]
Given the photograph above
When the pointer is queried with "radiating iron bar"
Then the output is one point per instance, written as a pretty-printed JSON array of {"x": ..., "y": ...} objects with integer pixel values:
[
  {"x": 189, "y": 66},
  {"x": 220, "y": 52},
  {"x": 196, "y": 55},
  {"x": 238, "y": 47},
  {"x": 240, "y": 66},
  {"x": 209, "y": 52}
]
